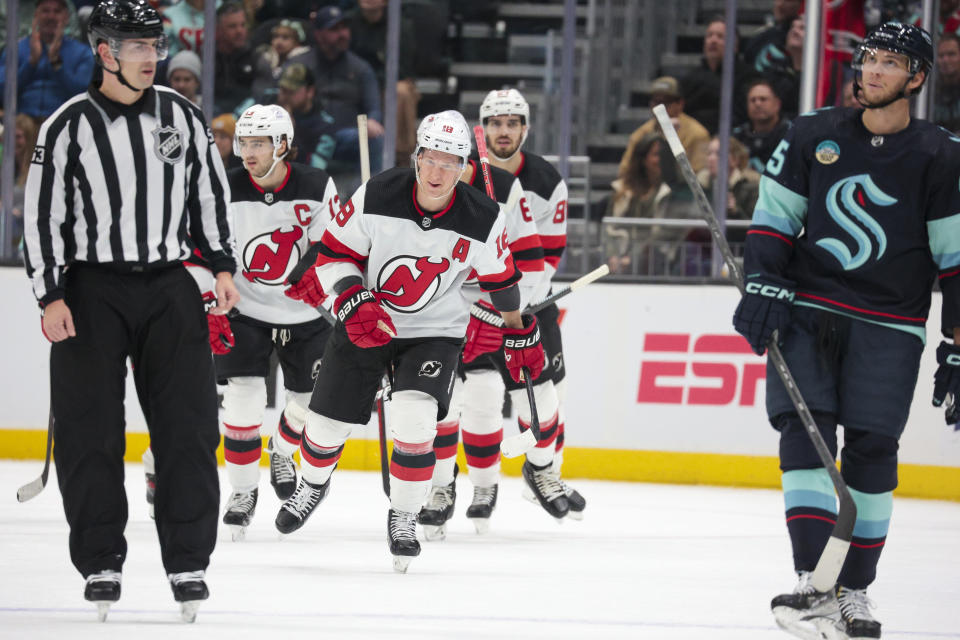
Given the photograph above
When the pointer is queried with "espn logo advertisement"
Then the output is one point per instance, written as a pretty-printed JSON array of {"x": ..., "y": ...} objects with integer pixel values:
[{"x": 707, "y": 369}]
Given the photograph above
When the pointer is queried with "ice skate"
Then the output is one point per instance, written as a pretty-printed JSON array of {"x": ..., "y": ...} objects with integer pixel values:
[
  {"x": 543, "y": 487},
  {"x": 402, "y": 536},
  {"x": 855, "y": 622},
  {"x": 239, "y": 512},
  {"x": 439, "y": 509},
  {"x": 295, "y": 511},
  {"x": 283, "y": 472},
  {"x": 480, "y": 510},
  {"x": 102, "y": 589},
  {"x": 189, "y": 589},
  {"x": 807, "y": 613},
  {"x": 574, "y": 499},
  {"x": 151, "y": 479}
]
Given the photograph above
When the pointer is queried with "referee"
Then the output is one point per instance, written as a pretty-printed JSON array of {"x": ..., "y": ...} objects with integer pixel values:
[{"x": 121, "y": 176}]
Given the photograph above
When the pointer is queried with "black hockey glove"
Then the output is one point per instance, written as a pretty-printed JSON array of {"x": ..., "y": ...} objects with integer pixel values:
[
  {"x": 764, "y": 308},
  {"x": 946, "y": 381}
]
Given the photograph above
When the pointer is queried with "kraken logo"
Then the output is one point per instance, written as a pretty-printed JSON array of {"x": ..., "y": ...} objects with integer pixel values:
[{"x": 846, "y": 200}]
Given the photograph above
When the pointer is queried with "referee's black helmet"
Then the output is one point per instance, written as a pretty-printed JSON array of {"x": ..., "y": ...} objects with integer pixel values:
[{"x": 113, "y": 20}]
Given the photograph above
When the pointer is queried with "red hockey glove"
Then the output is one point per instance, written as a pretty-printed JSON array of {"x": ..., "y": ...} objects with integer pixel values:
[
  {"x": 221, "y": 336},
  {"x": 484, "y": 331},
  {"x": 522, "y": 348},
  {"x": 366, "y": 322},
  {"x": 307, "y": 289}
]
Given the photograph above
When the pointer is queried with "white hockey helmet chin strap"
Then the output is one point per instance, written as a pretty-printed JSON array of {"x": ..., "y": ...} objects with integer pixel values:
[{"x": 276, "y": 159}]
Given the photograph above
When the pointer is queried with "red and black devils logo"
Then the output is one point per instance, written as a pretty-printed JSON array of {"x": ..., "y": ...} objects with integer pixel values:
[
  {"x": 407, "y": 283},
  {"x": 269, "y": 257}
]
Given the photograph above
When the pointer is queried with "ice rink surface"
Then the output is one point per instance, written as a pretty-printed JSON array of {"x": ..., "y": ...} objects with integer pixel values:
[{"x": 648, "y": 561}]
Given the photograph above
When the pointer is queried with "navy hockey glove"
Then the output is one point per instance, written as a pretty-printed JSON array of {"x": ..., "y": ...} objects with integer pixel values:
[
  {"x": 946, "y": 381},
  {"x": 764, "y": 308}
]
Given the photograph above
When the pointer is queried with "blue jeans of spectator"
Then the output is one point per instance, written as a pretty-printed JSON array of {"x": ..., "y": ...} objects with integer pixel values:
[{"x": 348, "y": 149}]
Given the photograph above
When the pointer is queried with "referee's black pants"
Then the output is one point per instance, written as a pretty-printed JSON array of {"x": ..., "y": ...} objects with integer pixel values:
[{"x": 157, "y": 319}]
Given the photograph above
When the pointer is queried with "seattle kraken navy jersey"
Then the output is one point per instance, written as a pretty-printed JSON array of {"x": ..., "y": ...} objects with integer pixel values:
[{"x": 863, "y": 224}]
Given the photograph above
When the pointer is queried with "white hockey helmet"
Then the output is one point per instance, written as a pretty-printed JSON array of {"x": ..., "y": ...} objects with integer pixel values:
[
  {"x": 446, "y": 131},
  {"x": 504, "y": 102},
  {"x": 264, "y": 120}
]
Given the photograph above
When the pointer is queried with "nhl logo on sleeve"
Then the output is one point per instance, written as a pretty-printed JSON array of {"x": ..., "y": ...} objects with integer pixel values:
[{"x": 168, "y": 144}]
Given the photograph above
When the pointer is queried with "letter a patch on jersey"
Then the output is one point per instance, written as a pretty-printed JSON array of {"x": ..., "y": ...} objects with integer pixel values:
[{"x": 461, "y": 250}]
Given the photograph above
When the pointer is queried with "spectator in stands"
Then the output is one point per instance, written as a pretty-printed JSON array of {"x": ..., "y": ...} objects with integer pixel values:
[
  {"x": 765, "y": 126},
  {"x": 946, "y": 112},
  {"x": 347, "y": 87},
  {"x": 314, "y": 130},
  {"x": 223, "y": 127},
  {"x": 650, "y": 188},
  {"x": 693, "y": 135},
  {"x": 234, "y": 60},
  {"x": 183, "y": 26},
  {"x": 288, "y": 44},
  {"x": 368, "y": 39},
  {"x": 52, "y": 67},
  {"x": 183, "y": 75},
  {"x": 767, "y": 49},
  {"x": 949, "y": 21},
  {"x": 784, "y": 74},
  {"x": 25, "y": 141},
  {"x": 702, "y": 86},
  {"x": 25, "y": 12},
  {"x": 743, "y": 183}
]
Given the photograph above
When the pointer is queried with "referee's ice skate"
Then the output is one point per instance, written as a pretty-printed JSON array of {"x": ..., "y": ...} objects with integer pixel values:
[
  {"x": 102, "y": 589},
  {"x": 189, "y": 589}
]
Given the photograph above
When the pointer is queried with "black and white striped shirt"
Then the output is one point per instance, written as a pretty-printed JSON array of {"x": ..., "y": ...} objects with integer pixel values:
[{"x": 124, "y": 184}]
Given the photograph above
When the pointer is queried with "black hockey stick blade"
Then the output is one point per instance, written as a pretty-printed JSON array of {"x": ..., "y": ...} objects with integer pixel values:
[
  {"x": 382, "y": 432},
  {"x": 33, "y": 488},
  {"x": 831, "y": 560}
]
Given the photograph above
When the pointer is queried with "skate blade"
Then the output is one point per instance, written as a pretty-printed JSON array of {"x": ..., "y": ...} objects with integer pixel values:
[
  {"x": 482, "y": 525},
  {"x": 434, "y": 533},
  {"x": 575, "y": 515},
  {"x": 188, "y": 610},
  {"x": 103, "y": 608},
  {"x": 150, "y": 511},
  {"x": 238, "y": 533},
  {"x": 811, "y": 628},
  {"x": 400, "y": 563}
]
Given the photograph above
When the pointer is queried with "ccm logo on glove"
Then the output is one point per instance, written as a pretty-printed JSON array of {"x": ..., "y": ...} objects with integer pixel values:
[{"x": 769, "y": 291}]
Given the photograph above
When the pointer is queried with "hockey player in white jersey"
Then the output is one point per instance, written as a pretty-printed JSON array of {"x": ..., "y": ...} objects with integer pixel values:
[
  {"x": 396, "y": 256},
  {"x": 476, "y": 407},
  {"x": 505, "y": 116},
  {"x": 280, "y": 209}
]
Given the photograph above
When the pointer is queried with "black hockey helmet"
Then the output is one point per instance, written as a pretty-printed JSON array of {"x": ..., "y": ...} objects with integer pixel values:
[
  {"x": 906, "y": 39},
  {"x": 115, "y": 20}
]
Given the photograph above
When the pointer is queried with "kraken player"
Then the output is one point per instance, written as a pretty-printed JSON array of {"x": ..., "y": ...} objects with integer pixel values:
[{"x": 856, "y": 220}]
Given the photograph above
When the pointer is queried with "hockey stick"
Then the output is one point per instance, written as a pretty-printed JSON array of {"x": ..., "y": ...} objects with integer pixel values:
[
  {"x": 364, "y": 148},
  {"x": 382, "y": 432},
  {"x": 831, "y": 560},
  {"x": 34, "y": 487}
]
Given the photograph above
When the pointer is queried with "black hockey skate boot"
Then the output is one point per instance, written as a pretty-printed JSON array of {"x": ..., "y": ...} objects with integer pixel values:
[
  {"x": 402, "y": 536},
  {"x": 439, "y": 509},
  {"x": 806, "y": 613},
  {"x": 295, "y": 511},
  {"x": 855, "y": 618},
  {"x": 576, "y": 501},
  {"x": 543, "y": 487},
  {"x": 480, "y": 510},
  {"x": 189, "y": 589},
  {"x": 102, "y": 589},
  {"x": 239, "y": 512},
  {"x": 151, "y": 479},
  {"x": 283, "y": 473}
]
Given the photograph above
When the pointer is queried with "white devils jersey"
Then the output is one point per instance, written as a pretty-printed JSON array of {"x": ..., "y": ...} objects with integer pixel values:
[
  {"x": 274, "y": 229},
  {"x": 416, "y": 261},
  {"x": 524, "y": 240},
  {"x": 546, "y": 199}
]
